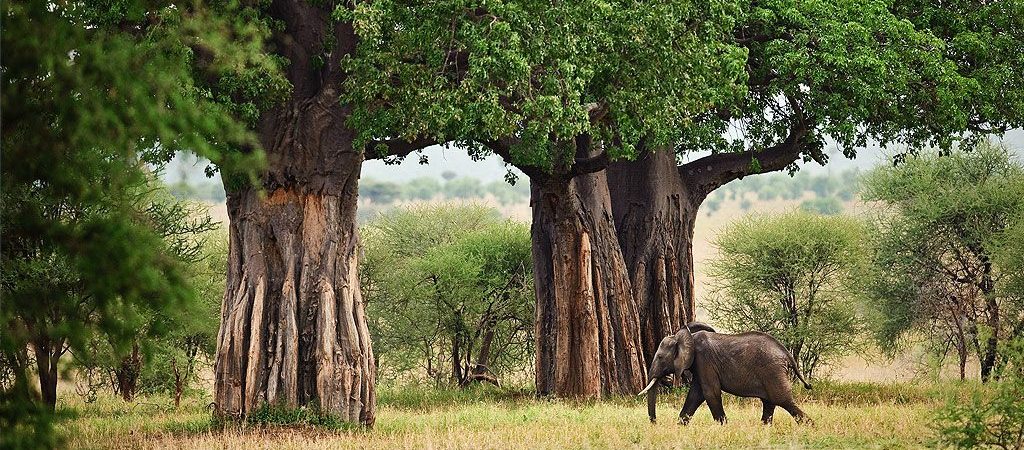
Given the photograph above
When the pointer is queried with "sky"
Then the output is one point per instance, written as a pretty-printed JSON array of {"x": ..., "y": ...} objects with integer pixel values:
[{"x": 492, "y": 168}]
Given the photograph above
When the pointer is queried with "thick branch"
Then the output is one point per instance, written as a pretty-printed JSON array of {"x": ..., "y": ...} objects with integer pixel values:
[
  {"x": 583, "y": 166},
  {"x": 397, "y": 148},
  {"x": 710, "y": 172}
]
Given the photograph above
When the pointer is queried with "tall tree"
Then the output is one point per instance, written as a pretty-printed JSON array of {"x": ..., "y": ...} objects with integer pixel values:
[
  {"x": 558, "y": 90},
  {"x": 91, "y": 92},
  {"x": 293, "y": 326},
  {"x": 852, "y": 71},
  {"x": 946, "y": 229},
  {"x": 159, "y": 77}
]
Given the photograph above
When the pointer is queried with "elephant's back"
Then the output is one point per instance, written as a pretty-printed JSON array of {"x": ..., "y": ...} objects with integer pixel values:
[{"x": 746, "y": 362}]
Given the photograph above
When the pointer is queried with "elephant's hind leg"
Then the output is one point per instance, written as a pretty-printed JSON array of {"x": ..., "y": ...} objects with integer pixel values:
[
  {"x": 797, "y": 413},
  {"x": 694, "y": 398},
  {"x": 767, "y": 411}
]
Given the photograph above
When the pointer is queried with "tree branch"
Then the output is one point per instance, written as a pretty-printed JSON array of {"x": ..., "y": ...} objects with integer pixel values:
[
  {"x": 710, "y": 172},
  {"x": 592, "y": 164},
  {"x": 397, "y": 148}
]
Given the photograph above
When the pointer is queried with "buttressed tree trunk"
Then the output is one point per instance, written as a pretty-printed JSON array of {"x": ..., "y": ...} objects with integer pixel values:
[
  {"x": 654, "y": 215},
  {"x": 588, "y": 339},
  {"x": 293, "y": 327},
  {"x": 655, "y": 203}
]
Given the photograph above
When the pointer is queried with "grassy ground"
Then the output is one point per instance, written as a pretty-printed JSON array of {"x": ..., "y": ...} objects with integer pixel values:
[{"x": 846, "y": 416}]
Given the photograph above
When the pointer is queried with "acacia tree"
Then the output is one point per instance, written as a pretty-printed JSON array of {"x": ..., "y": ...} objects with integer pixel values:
[
  {"x": 557, "y": 90},
  {"x": 795, "y": 276},
  {"x": 852, "y": 71},
  {"x": 944, "y": 238},
  {"x": 449, "y": 292}
]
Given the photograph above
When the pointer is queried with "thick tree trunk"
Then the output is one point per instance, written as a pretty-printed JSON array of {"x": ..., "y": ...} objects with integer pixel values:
[
  {"x": 654, "y": 216},
  {"x": 293, "y": 328},
  {"x": 588, "y": 338}
]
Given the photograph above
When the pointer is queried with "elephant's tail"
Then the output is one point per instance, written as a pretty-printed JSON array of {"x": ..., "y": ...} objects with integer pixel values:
[{"x": 796, "y": 371}]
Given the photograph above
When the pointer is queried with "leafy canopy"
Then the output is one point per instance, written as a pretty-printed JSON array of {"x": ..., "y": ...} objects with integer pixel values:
[
  {"x": 858, "y": 72},
  {"x": 539, "y": 74}
]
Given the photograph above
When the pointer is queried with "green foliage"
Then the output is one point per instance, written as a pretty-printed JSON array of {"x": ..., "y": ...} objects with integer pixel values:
[
  {"x": 793, "y": 276},
  {"x": 439, "y": 282},
  {"x": 856, "y": 71},
  {"x": 168, "y": 343},
  {"x": 992, "y": 418},
  {"x": 26, "y": 423},
  {"x": 91, "y": 92},
  {"x": 943, "y": 243},
  {"x": 533, "y": 72},
  {"x": 827, "y": 206}
]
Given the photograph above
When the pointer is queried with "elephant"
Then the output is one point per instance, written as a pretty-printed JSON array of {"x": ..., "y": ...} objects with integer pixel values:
[{"x": 751, "y": 364}]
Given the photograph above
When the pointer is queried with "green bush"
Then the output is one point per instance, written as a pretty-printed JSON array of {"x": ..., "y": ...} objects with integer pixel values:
[
  {"x": 449, "y": 293},
  {"x": 993, "y": 418},
  {"x": 793, "y": 276}
]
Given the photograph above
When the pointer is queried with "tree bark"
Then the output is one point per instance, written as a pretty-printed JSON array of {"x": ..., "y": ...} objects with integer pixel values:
[
  {"x": 293, "y": 327},
  {"x": 128, "y": 373},
  {"x": 48, "y": 354},
  {"x": 654, "y": 215},
  {"x": 588, "y": 331}
]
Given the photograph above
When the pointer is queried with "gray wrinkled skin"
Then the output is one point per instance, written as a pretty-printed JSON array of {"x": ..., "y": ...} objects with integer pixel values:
[{"x": 751, "y": 364}]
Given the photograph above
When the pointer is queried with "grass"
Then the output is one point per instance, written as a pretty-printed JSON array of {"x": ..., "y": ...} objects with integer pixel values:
[{"x": 846, "y": 415}]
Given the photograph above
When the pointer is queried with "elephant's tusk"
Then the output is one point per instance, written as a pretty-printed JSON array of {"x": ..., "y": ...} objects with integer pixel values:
[{"x": 649, "y": 386}]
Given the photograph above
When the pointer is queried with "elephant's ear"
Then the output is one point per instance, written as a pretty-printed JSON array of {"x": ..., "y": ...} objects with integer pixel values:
[{"x": 684, "y": 351}]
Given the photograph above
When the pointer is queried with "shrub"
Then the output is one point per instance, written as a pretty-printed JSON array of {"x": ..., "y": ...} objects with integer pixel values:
[
  {"x": 793, "y": 276},
  {"x": 994, "y": 418}
]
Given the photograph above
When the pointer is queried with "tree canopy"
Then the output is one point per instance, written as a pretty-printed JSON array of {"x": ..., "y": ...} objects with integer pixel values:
[
  {"x": 528, "y": 78},
  {"x": 943, "y": 251}
]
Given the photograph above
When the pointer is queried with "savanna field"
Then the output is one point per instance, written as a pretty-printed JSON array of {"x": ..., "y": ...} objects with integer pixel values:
[
  {"x": 511, "y": 224},
  {"x": 848, "y": 415}
]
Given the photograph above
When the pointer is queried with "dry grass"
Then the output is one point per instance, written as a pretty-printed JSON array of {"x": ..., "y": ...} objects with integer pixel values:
[{"x": 846, "y": 416}]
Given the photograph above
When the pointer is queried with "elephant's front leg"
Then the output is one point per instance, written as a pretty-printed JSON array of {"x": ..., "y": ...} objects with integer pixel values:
[
  {"x": 694, "y": 398},
  {"x": 712, "y": 391}
]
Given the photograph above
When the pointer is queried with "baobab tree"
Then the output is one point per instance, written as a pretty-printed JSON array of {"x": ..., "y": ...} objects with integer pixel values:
[
  {"x": 558, "y": 91},
  {"x": 853, "y": 72},
  {"x": 293, "y": 327}
]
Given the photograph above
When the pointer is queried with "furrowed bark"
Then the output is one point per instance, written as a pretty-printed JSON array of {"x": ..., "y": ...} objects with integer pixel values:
[
  {"x": 293, "y": 326},
  {"x": 654, "y": 216},
  {"x": 588, "y": 338}
]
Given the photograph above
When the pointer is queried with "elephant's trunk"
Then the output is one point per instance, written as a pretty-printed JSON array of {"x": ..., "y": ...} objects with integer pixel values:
[{"x": 652, "y": 400}]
